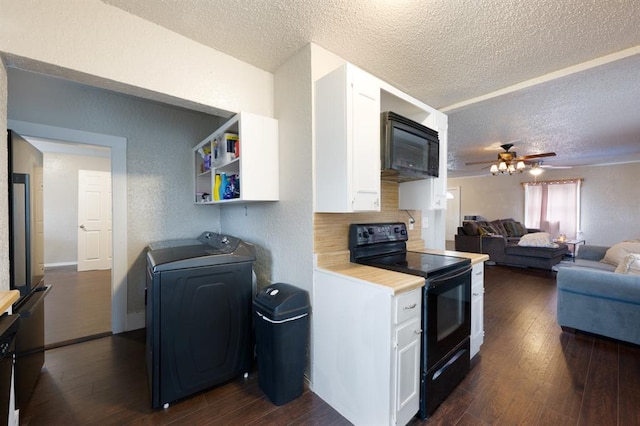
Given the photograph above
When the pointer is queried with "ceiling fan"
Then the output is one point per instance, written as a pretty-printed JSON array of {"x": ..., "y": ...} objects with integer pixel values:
[{"x": 509, "y": 162}]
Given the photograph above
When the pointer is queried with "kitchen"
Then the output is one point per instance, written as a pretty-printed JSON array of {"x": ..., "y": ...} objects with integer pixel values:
[{"x": 287, "y": 243}]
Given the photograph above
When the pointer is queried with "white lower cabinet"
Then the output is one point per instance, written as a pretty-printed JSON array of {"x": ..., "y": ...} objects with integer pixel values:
[
  {"x": 477, "y": 308},
  {"x": 406, "y": 370},
  {"x": 366, "y": 349}
]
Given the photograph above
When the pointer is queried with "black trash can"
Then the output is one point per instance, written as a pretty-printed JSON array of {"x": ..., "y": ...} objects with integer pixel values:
[{"x": 281, "y": 313}]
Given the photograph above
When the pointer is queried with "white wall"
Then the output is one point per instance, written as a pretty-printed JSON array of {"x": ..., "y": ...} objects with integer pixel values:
[
  {"x": 610, "y": 199},
  {"x": 282, "y": 230},
  {"x": 4, "y": 185},
  {"x": 61, "y": 201},
  {"x": 97, "y": 44}
]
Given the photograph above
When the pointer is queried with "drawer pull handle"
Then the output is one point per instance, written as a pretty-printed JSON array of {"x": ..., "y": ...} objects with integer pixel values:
[
  {"x": 478, "y": 273},
  {"x": 410, "y": 306},
  {"x": 476, "y": 294}
]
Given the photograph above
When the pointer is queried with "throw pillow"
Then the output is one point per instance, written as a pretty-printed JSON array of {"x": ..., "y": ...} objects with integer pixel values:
[
  {"x": 470, "y": 228},
  {"x": 537, "y": 239},
  {"x": 499, "y": 227},
  {"x": 617, "y": 252},
  {"x": 515, "y": 229},
  {"x": 523, "y": 229},
  {"x": 630, "y": 264},
  {"x": 486, "y": 230}
]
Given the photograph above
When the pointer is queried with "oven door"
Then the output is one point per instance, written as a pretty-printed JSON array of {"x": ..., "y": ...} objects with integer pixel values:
[{"x": 447, "y": 316}]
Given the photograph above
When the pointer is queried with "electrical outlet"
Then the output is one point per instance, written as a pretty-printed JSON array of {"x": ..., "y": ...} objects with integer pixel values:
[{"x": 411, "y": 225}]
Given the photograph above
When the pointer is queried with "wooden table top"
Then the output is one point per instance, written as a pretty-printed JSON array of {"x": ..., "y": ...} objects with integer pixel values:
[{"x": 7, "y": 297}]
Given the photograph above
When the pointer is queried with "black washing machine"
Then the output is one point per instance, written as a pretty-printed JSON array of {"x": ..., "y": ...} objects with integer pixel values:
[{"x": 198, "y": 314}]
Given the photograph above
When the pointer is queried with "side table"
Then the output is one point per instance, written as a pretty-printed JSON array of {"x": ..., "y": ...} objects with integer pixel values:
[{"x": 572, "y": 243}]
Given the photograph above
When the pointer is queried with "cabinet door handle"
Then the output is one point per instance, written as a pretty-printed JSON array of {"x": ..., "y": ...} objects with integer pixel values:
[
  {"x": 479, "y": 273},
  {"x": 476, "y": 294},
  {"x": 419, "y": 331},
  {"x": 410, "y": 306}
]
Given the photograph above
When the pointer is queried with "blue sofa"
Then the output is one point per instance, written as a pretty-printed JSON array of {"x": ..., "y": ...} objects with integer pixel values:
[{"x": 594, "y": 299}]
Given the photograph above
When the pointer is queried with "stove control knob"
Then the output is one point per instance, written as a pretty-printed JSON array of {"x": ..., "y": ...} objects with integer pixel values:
[
  {"x": 396, "y": 229},
  {"x": 365, "y": 234},
  {"x": 403, "y": 232}
]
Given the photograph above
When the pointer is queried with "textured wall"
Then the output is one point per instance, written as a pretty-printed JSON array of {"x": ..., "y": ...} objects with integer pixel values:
[
  {"x": 610, "y": 199},
  {"x": 282, "y": 230},
  {"x": 4, "y": 195},
  {"x": 61, "y": 201},
  {"x": 159, "y": 160}
]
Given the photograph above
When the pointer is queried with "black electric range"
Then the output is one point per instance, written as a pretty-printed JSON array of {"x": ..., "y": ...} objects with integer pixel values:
[{"x": 446, "y": 304}]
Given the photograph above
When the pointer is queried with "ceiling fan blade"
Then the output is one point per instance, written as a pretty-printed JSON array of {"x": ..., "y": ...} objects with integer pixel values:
[
  {"x": 548, "y": 166},
  {"x": 544, "y": 154},
  {"x": 473, "y": 163}
]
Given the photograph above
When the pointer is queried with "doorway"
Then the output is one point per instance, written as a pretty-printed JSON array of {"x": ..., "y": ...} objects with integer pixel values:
[
  {"x": 120, "y": 322},
  {"x": 78, "y": 306},
  {"x": 453, "y": 215}
]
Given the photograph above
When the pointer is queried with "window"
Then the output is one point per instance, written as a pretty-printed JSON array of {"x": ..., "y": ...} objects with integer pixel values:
[{"x": 553, "y": 206}]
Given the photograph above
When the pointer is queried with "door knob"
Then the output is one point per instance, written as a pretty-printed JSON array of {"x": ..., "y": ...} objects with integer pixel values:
[{"x": 82, "y": 227}]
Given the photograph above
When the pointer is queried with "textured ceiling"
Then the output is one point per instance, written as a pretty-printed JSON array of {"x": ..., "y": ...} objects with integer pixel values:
[{"x": 446, "y": 53}]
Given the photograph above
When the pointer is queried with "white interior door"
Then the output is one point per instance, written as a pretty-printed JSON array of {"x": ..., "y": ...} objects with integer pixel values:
[
  {"x": 94, "y": 220},
  {"x": 453, "y": 213}
]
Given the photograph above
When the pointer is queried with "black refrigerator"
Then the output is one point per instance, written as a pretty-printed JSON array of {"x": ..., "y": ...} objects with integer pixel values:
[{"x": 26, "y": 261}]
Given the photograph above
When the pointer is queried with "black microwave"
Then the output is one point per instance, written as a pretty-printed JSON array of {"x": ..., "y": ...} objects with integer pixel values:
[{"x": 408, "y": 150}]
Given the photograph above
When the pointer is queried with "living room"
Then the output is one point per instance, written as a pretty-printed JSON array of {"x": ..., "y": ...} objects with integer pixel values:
[{"x": 609, "y": 199}]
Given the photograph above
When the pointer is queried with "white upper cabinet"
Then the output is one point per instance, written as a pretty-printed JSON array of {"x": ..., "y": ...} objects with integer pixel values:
[
  {"x": 347, "y": 153},
  {"x": 238, "y": 162},
  {"x": 348, "y": 103}
]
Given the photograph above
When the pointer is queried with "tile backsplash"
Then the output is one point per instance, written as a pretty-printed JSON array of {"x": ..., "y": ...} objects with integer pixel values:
[{"x": 331, "y": 230}]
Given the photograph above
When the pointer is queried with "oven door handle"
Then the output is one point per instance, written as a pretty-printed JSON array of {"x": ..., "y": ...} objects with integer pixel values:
[
  {"x": 449, "y": 363},
  {"x": 434, "y": 282}
]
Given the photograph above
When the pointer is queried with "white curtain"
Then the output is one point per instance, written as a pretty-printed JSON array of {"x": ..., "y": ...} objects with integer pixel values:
[{"x": 553, "y": 206}]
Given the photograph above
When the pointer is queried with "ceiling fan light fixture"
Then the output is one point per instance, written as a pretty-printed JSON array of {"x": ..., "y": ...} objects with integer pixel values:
[
  {"x": 509, "y": 162},
  {"x": 536, "y": 170}
]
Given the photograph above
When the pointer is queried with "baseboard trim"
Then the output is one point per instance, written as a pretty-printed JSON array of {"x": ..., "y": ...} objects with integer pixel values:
[
  {"x": 55, "y": 265},
  {"x": 77, "y": 340}
]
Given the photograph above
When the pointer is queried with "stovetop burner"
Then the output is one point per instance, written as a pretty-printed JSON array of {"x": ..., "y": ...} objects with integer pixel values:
[
  {"x": 416, "y": 263},
  {"x": 383, "y": 245}
]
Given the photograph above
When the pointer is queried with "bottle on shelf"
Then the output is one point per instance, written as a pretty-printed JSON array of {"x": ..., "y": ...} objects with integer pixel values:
[{"x": 216, "y": 188}]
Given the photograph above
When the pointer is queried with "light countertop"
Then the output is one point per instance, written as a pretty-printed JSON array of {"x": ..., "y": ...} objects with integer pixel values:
[
  {"x": 7, "y": 297},
  {"x": 475, "y": 257},
  {"x": 396, "y": 281}
]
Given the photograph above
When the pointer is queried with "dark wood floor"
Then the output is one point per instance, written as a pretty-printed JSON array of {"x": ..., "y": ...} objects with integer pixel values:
[
  {"x": 78, "y": 305},
  {"x": 529, "y": 372}
]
